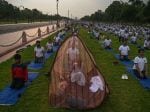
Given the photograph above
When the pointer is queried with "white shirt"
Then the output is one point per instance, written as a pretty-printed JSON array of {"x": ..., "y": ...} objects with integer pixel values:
[
  {"x": 146, "y": 43},
  {"x": 96, "y": 84},
  {"x": 133, "y": 38},
  {"x": 122, "y": 32},
  {"x": 73, "y": 53},
  {"x": 39, "y": 51},
  {"x": 140, "y": 61},
  {"x": 57, "y": 39},
  {"x": 124, "y": 50},
  {"x": 126, "y": 35},
  {"x": 107, "y": 42},
  {"x": 49, "y": 45}
]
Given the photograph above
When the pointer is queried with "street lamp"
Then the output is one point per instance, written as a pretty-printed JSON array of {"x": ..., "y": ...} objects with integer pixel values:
[{"x": 57, "y": 1}]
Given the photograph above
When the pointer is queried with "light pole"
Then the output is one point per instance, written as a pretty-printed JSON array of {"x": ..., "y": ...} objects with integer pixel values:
[
  {"x": 68, "y": 16},
  {"x": 57, "y": 1}
]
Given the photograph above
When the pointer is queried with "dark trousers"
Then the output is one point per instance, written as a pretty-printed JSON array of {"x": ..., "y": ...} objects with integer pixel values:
[
  {"x": 39, "y": 59},
  {"x": 132, "y": 42},
  {"x": 17, "y": 83},
  {"x": 146, "y": 48},
  {"x": 50, "y": 50},
  {"x": 107, "y": 47},
  {"x": 137, "y": 74},
  {"x": 124, "y": 58}
]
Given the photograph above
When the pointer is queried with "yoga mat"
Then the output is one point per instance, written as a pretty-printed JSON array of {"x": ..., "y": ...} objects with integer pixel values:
[{"x": 10, "y": 96}]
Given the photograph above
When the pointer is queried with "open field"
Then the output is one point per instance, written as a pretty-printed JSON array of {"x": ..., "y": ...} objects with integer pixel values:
[{"x": 125, "y": 95}]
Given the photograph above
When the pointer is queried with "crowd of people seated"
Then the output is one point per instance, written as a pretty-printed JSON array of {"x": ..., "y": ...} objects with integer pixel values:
[
  {"x": 19, "y": 69},
  {"x": 126, "y": 34}
]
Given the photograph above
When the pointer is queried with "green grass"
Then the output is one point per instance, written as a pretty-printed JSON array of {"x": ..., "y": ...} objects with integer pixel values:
[{"x": 125, "y": 95}]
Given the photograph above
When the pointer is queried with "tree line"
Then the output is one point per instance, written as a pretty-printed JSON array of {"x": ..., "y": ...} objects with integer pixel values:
[
  {"x": 133, "y": 11},
  {"x": 10, "y": 13}
]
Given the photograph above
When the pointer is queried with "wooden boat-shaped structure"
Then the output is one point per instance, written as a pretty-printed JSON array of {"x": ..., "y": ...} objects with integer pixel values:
[{"x": 86, "y": 91}]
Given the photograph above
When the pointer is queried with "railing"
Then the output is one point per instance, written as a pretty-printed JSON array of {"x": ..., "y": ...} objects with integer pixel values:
[{"x": 25, "y": 40}]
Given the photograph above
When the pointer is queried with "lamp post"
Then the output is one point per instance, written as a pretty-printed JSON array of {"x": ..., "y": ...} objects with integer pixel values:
[
  {"x": 57, "y": 1},
  {"x": 68, "y": 16}
]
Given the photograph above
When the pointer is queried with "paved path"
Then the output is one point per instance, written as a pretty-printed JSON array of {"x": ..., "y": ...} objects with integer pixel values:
[
  {"x": 12, "y": 37},
  {"x": 7, "y": 28}
]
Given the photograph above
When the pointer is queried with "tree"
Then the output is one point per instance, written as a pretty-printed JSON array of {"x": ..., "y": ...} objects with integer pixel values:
[{"x": 113, "y": 12}]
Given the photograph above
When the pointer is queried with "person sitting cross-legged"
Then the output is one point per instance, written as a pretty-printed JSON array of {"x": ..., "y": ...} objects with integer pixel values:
[
  {"x": 49, "y": 46},
  {"x": 134, "y": 39},
  {"x": 57, "y": 40},
  {"x": 19, "y": 73},
  {"x": 147, "y": 44},
  {"x": 140, "y": 65},
  {"x": 107, "y": 43},
  {"x": 124, "y": 52},
  {"x": 39, "y": 53}
]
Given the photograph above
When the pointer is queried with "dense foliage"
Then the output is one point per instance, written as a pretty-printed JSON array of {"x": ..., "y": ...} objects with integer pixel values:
[
  {"x": 118, "y": 11},
  {"x": 10, "y": 13}
]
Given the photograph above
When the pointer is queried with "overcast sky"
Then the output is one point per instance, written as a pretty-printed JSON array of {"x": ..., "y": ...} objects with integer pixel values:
[{"x": 78, "y": 8}]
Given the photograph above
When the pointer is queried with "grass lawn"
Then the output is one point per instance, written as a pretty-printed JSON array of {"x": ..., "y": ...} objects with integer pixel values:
[{"x": 125, "y": 95}]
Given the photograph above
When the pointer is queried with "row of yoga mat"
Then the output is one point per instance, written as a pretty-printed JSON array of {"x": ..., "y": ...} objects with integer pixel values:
[
  {"x": 10, "y": 96},
  {"x": 145, "y": 83}
]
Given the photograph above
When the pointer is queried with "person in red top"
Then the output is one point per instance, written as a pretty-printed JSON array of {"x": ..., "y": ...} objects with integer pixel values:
[{"x": 19, "y": 73}]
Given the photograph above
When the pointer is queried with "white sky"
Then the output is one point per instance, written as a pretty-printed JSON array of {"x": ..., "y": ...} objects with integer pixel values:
[{"x": 78, "y": 8}]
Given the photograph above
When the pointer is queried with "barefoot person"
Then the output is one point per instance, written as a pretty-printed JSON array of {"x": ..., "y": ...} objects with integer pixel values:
[
  {"x": 19, "y": 73},
  {"x": 140, "y": 65}
]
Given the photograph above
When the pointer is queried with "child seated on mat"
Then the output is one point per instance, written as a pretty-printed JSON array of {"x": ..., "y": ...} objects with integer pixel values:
[
  {"x": 107, "y": 43},
  {"x": 19, "y": 73},
  {"x": 39, "y": 52},
  {"x": 140, "y": 65},
  {"x": 49, "y": 46},
  {"x": 124, "y": 52}
]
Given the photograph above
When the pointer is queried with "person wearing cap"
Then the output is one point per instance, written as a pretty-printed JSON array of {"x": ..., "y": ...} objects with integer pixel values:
[
  {"x": 19, "y": 73},
  {"x": 140, "y": 65}
]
